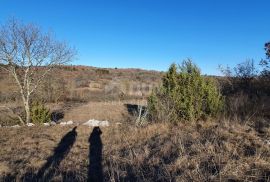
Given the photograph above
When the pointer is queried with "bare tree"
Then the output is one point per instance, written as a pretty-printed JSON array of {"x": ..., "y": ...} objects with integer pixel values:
[
  {"x": 29, "y": 55},
  {"x": 265, "y": 63}
]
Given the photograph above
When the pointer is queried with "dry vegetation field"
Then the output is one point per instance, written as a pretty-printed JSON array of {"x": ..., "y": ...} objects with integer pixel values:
[
  {"x": 235, "y": 148},
  {"x": 85, "y": 90},
  {"x": 205, "y": 151},
  {"x": 83, "y": 83},
  {"x": 62, "y": 122}
]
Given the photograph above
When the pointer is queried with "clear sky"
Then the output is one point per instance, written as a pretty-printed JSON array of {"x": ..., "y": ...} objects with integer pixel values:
[{"x": 151, "y": 34}]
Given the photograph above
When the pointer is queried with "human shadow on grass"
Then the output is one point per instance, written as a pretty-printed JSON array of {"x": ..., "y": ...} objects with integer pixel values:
[
  {"x": 48, "y": 170},
  {"x": 95, "y": 172}
]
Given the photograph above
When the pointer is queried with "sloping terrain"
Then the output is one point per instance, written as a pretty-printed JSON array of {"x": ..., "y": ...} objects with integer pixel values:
[
  {"x": 82, "y": 93},
  {"x": 83, "y": 83}
]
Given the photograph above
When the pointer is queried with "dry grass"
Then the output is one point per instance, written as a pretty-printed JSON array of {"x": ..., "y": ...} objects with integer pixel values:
[
  {"x": 95, "y": 110},
  {"x": 83, "y": 83},
  {"x": 112, "y": 111},
  {"x": 206, "y": 151}
]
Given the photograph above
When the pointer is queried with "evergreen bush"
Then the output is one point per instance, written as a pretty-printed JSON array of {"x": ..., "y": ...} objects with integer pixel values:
[
  {"x": 39, "y": 113},
  {"x": 185, "y": 95}
]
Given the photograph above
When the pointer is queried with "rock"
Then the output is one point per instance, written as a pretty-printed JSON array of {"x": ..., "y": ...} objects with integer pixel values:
[
  {"x": 66, "y": 123},
  {"x": 69, "y": 122},
  {"x": 46, "y": 124},
  {"x": 104, "y": 123},
  {"x": 57, "y": 115},
  {"x": 15, "y": 126},
  {"x": 30, "y": 124},
  {"x": 93, "y": 122},
  {"x": 63, "y": 123},
  {"x": 118, "y": 123},
  {"x": 53, "y": 123}
]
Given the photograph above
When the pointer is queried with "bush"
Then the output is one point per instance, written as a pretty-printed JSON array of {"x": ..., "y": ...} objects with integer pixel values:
[
  {"x": 265, "y": 63},
  {"x": 39, "y": 113},
  {"x": 185, "y": 95},
  {"x": 246, "y": 90},
  {"x": 102, "y": 71},
  {"x": 52, "y": 89},
  {"x": 241, "y": 77}
]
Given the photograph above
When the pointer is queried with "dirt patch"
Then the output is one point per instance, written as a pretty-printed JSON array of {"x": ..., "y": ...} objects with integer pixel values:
[{"x": 115, "y": 111}]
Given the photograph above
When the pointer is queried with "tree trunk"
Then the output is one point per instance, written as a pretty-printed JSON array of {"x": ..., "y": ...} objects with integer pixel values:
[{"x": 27, "y": 111}]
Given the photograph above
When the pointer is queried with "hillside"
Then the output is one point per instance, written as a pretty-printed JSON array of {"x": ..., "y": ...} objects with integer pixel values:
[
  {"x": 231, "y": 147},
  {"x": 86, "y": 90},
  {"x": 83, "y": 83}
]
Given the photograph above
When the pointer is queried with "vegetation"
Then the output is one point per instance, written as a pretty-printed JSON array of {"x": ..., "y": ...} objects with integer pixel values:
[
  {"x": 39, "y": 113},
  {"x": 246, "y": 90},
  {"x": 229, "y": 149},
  {"x": 24, "y": 50},
  {"x": 265, "y": 63},
  {"x": 185, "y": 95},
  {"x": 203, "y": 151},
  {"x": 102, "y": 71},
  {"x": 234, "y": 147}
]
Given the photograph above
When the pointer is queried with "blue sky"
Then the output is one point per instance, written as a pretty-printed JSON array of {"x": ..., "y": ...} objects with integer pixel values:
[{"x": 151, "y": 34}]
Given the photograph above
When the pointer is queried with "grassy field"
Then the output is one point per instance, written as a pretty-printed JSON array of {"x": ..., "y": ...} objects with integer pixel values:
[
  {"x": 85, "y": 90},
  {"x": 206, "y": 151},
  {"x": 233, "y": 147},
  {"x": 84, "y": 83}
]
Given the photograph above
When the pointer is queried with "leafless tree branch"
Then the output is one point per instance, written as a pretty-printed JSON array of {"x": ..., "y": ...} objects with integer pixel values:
[{"x": 29, "y": 55}]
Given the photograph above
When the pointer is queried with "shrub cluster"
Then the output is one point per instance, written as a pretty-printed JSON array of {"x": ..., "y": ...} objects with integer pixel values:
[
  {"x": 39, "y": 113},
  {"x": 185, "y": 95},
  {"x": 246, "y": 89},
  {"x": 102, "y": 71}
]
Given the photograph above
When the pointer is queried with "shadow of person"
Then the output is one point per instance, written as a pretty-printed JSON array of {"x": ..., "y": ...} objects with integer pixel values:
[
  {"x": 95, "y": 172},
  {"x": 49, "y": 168}
]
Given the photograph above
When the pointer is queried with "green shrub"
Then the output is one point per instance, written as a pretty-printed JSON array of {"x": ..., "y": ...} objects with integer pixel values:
[
  {"x": 39, "y": 113},
  {"x": 185, "y": 95}
]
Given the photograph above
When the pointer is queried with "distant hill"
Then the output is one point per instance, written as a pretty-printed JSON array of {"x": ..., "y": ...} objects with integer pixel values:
[{"x": 85, "y": 83}]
